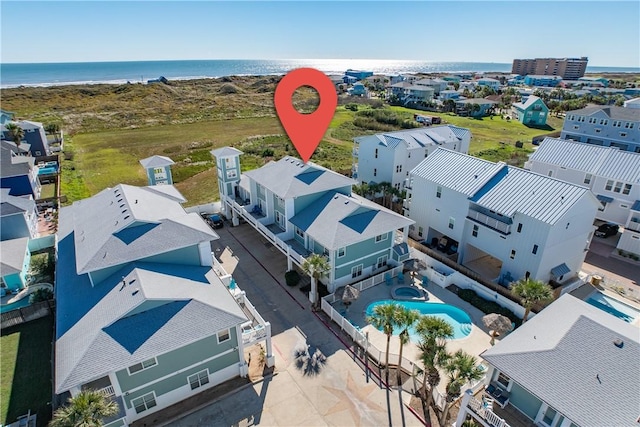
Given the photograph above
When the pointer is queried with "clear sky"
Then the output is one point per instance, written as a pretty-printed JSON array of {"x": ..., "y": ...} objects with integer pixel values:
[{"x": 476, "y": 31}]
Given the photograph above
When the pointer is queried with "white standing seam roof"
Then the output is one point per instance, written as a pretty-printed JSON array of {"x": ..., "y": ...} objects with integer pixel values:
[
  {"x": 457, "y": 171},
  {"x": 156, "y": 162},
  {"x": 290, "y": 177},
  {"x": 127, "y": 223},
  {"x": 607, "y": 162},
  {"x": 567, "y": 356},
  {"x": 516, "y": 190}
]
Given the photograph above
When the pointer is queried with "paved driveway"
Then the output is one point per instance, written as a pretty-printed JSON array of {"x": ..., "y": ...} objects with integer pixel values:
[{"x": 331, "y": 391}]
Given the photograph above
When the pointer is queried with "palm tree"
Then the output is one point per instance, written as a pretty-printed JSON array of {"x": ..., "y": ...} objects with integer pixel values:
[
  {"x": 87, "y": 409},
  {"x": 16, "y": 133},
  {"x": 405, "y": 319},
  {"x": 315, "y": 266},
  {"x": 531, "y": 292},
  {"x": 384, "y": 317},
  {"x": 385, "y": 188},
  {"x": 461, "y": 369},
  {"x": 433, "y": 332}
]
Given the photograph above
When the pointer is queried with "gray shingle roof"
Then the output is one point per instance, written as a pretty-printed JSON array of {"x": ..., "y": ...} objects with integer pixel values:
[
  {"x": 225, "y": 152},
  {"x": 127, "y": 223},
  {"x": 615, "y": 113},
  {"x": 524, "y": 105},
  {"x": 290, "y": 177},
  {"x": 336, "y": 220},
  {"x": 566, "y": 357},
  {"x": 13, "y": 165},
  {"x": 458, "y": 171},
  {"x": 10, "y": 205},
  {"x": 156, "y": 162},
  {"x": 608, "y": 162},
  {"x": 12, "y": 255},
  {"x": 142, "y": 311}
]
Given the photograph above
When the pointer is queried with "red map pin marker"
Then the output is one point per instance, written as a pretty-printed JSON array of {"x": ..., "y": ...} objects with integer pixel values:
[{"x": 305, "y": 130}]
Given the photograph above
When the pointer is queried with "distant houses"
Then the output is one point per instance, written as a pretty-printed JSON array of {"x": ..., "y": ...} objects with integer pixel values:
[
  {"x": 474, "y": 107},
  {"x": 542, "y": 80},
  {"x": 389, "y": 157},
  {"x": 532, "y": 112},
  {"x": 158, "y": 170},
  {"x": 18, "y": 172},
  {"x": 503, "y": 222},
  {"x": 34, "y": 135},
  {"x": 608, "y": 126}
]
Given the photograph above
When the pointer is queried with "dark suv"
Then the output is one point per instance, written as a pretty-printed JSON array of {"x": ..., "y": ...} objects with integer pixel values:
[
  {"x": 216, "y": 221},
  {"x": 607, "y": 230}
]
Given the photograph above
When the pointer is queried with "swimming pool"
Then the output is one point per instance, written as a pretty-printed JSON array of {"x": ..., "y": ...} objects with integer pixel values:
[
  {"x": 14, "y": 305},
  {"x": 457, "y": 318},
  {"x": 613, "y": 306},
  {"x": 48, "y": 170}
]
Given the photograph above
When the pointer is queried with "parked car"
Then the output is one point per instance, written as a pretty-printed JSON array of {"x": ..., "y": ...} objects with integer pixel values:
[
  {"x": 216, "y": 221},
  {"x": 607, "y": 230}
]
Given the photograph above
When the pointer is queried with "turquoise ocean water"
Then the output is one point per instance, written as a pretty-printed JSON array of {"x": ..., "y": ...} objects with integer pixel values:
[{"x": 50, "y": 74}]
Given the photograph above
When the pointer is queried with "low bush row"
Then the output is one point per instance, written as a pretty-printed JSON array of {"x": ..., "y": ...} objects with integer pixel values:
[{"x": 487, "y": 306}]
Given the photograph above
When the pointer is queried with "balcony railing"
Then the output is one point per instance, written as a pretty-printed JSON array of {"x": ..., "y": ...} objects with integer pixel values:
[
  {"x": 107, "y": 391},
  {"x": 489, "y": 222},
  {"x": 485, "y": 413},
  {"x": 633, "y": 225}
]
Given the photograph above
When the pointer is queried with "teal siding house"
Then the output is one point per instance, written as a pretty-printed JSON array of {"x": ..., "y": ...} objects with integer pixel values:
[
  {"x": 14, "y": 264},
  {"x": 304, "y": 208},
  {"x": 228, "y": 168},
  {"x": 141, "y": 314},
  {"x": 532, "y": 112},
  {"x": 569, "y": 366},
  {"x": 158, "y": 170}
]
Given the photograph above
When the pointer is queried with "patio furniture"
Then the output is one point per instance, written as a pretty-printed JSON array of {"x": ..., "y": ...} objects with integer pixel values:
[
  {"x": 425, "y": 281},
  {"x": 401, "y": 278},
  {"x": 500, "y": 395},
  {"x": 388, "y": 279}
]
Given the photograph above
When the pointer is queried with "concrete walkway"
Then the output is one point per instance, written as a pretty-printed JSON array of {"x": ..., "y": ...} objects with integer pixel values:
[{"x": 330, "y": 389}]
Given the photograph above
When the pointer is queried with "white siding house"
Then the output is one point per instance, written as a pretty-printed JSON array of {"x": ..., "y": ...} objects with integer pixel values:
[
  {"x": 611, "y": 174},
  {"x": 501, "y": 221},
  {"x": 388, "y": 157}
]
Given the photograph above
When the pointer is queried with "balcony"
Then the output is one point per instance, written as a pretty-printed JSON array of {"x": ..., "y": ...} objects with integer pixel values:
[
  {"x": 490, "y": 222},
  {"x": 634, "y": 225}
]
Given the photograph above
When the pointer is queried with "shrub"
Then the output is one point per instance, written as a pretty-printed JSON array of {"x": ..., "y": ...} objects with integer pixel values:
[
  {"x": 267, "y": 152},
  {"x": 352, "y": 107},
  {"x": 292, "y": 277},
  {"x": 41, "y": 295},
  {"x": 487, "y": 306}
]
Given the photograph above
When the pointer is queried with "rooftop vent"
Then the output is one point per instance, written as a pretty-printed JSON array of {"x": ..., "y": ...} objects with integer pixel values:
[{"x": 618, "y": 343}]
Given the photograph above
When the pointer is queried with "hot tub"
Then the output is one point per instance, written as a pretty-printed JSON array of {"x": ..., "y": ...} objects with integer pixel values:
[{"x": 408, "y": 293}]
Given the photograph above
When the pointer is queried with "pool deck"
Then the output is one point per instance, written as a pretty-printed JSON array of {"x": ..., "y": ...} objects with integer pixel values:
[{"x": 475, "y": 343}]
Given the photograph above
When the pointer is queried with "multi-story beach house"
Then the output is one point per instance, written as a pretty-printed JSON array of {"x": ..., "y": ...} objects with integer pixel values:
[
  {"x": 608, "y": 126},
  {"x": 493, "y": 84},
  {"x": 533, "y": 111},
  {"x": 14, "y": 265},
  {"x": 504, "y": 222},
  {"x": 542, "y": 80},
  {"x": 611, "y": 174},
  {"x": 303, "y": 208},
  {"x": 474, "y": 107},
  {"x": 141, "y": 315},
  {"x": 18, "y": 172},
  {"x": 388, "y": 157},
  {"x": 158, "y": 169},
  {"x": 18, "y": 216},
  {"x": 569, "y": 366},
  {"x": 34, "y": 135}
]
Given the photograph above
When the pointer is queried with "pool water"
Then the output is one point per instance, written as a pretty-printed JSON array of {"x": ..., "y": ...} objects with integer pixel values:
[
  {"x": 14, "y": 305},
  {"x": 408, "y": 292},
  {"x": 47, "y": 170},
  {"x": 613, "y": 306},
  {"x": 456, "y": 317}
]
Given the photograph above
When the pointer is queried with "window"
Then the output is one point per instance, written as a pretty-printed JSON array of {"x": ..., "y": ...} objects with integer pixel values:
[
  {"x": 375, "y": 172},
  {"x": 342, "y": 252},
  {"x": 356, "y": 271},
  {"x": 439, "y": 192},
  {"x": 198, "y": 379},
  {"x": 623, "y": 134},
  {"x": 420, "y": 231},
  {"x": 618, "y": 187},
  {"x": 452, "y": 222},
  {"x": 617, "y": 123},
  {"x": 550, "y": 173},
  {"x": 535, "y": 249},
  {"x": 587, "y": 178},
  {"x": 299, "y": 232},
  {"x": 626, "y": 125},
  {"x": 232, "y": 173},
  {"x": 280, "y": 201},
  {"x": 426, "y": 153},
  {"x": 598, "y": 130},
  {"x": 503, "y": 380},
  {"x": 513, "y": 254},
  {"x": 158, "y": 170},
  {"x": 549, "y": 416},
  {"x": 519, "y": 227},
  {"x": 223, "y": 336},
  {"x": 376, "y": 153},
  {"x": 142, "y": 365},
  {"x": 382, "y": 261},
  {"x": 228, "y": 162},
  {"x": 474, "y": 233},
  {"x": 627, "y": 189},
  {"x": 609, "y": 185},
  {"x": 381, "y": 237},
  {"x": 145, "y": 402}
]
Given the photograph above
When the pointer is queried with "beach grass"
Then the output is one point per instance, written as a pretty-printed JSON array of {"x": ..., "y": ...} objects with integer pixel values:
[{"x": 26, "y": 371}]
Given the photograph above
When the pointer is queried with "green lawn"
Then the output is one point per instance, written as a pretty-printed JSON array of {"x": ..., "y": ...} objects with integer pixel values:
[
  {"x": 48, "y": 190},
  {"x": 26, "y": 371}
]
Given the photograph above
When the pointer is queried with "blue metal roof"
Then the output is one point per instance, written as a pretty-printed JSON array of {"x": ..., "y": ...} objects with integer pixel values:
[
  {"x": 360, "y": 221},
  {"x": 605, "y": 199},
  {"x": 560, "y": 270},
  {"x": 308, "y": 177},
  {"x": 636, "y": 206}
]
